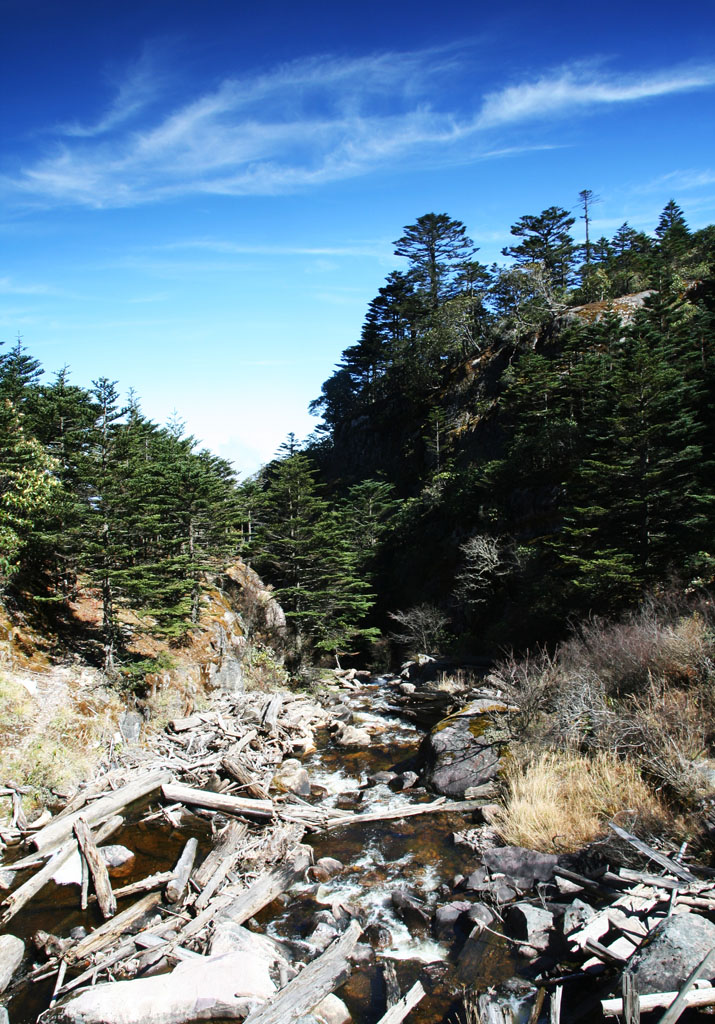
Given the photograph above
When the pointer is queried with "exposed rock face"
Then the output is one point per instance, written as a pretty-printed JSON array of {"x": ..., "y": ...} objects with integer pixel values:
[
  {"x": 255, "y": 601},
  {"x": 465, "y": 750},
  {"x": 678, "y": 945}
]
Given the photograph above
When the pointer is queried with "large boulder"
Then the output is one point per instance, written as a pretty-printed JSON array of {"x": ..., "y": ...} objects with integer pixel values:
[
  {"x": 227, "y": 986},
  {"x": 678, "y": 945},
  {"x": 526, "y": 867},
  {"x": 465, "y": 749}
]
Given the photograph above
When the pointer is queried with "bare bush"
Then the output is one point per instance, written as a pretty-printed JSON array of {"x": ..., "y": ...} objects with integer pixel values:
[
  {"x": 484, "y": 562},
  {"x": 424, "y": 628}
]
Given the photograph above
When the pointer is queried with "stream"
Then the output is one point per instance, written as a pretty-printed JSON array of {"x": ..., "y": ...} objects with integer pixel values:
[{"x": 417, "y": 854}]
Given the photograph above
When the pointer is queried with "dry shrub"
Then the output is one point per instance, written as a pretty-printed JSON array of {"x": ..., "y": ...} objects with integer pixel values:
[{"x": 563, "y": 800}]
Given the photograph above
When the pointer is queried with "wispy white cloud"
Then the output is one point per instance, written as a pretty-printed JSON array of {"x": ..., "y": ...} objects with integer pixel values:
[
  {"x": 580, "y": 86},
  {"x": 10, "y": 287},
  {"x": 679, "y": 181},
  {"x": 311, "y": 122},
  {"x": 369, "y": 249}
]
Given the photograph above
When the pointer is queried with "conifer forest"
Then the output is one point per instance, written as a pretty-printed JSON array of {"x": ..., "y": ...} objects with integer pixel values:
[{"x": 502, "y": 450}]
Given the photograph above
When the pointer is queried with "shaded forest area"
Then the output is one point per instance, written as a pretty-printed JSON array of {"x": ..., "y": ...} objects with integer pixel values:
[{"x": 503, "y": 449}]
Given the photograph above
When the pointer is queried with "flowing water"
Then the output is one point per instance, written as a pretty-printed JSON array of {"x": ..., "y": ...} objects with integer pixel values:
[{"x": 416, "y": 853}]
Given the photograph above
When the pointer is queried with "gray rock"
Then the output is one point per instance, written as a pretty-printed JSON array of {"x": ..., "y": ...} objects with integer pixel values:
[
  {"x": 378, "y": 935},
  {"x": 526, "y": 867},
  {"x": 465, "y": 750},
  {"x": 447, "y": 917},
  {"x": 479, "y": 913},
  {"x": 4, "y": 1018},
  {"x": 529, "y": 924},
  {"x": 321, "y": 937},
  {"x": 116, "y": 856},
  {"x": 409, "y": 908},
  {"x": 404, "y": 781},
  {"x": 130, "y": 726},
  {"x": 576, "y": 916},
  {"x": 12, "y": 951},
  {"x": 678, "y": 945},
  {"x": 291, "y": 777},
  {"x": 381, "y": 778}
]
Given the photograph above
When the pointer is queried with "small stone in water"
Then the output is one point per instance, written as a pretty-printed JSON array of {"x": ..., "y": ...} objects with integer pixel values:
[
  {"x": 80, "y": 932},
  {"x": 379, "y": 936},
  {"x": 381, "y": 778}
]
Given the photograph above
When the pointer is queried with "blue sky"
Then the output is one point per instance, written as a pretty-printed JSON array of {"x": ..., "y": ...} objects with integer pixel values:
[{"x": 199, "y": 199}]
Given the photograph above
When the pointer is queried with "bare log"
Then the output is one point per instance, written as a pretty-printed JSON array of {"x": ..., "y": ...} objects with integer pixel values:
[
  {"x": 60, "y": 828},
  {"x": 654, "y": 1000},
  {"x": 669, "y": 864},
  {"x": 180, "y": 876},
  {"x": 17, "y": 900},
  {"x": 219, "y": 862},
  {"x": 157, "y": 881},
  {"x": 271, "y": 711},
  {"x": 237, "y": 770},
  {"x": 266, "y": 888},
  {"x": 439, "y": 806},
  {"x": 399, "y": 1011},
  {"x": 392, "y": 988},
  {"x": 313, "y": 983},
  {"x": 113, "y": 929},
  {"x": 260, "y": 809},
  {"x": 97, "y": 868}
]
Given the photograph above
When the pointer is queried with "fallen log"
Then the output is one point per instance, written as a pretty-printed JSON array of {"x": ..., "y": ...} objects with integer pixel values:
[
  {"x": 112, "y": 929},
  {"x": 97, "y": 868},
  {"x": 261, "y": 809},
  {"x": 218, "y": 863},
  {"x": 313, "y": 983},
  {"x": 61, "y": 828},
  {"x": 157, "y": 881},
  {"x": 654, "y": 1000},
  {"x": 18, "y": 899},
  {"x": 670, "y": 865},
  {"x": 267, "y": 887},
  {"x": 180, "y": 875},
  {"x": 399, "y": 1011},
  {"x": 238, "y": 771},
  {"x": 439, "y": 806}
]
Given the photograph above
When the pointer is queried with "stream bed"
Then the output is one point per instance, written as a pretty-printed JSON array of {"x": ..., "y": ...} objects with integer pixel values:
[{"x": 380, "y": 858}]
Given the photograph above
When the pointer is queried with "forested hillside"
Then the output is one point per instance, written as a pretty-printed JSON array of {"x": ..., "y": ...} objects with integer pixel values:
[{"x": 502, "y": 448}]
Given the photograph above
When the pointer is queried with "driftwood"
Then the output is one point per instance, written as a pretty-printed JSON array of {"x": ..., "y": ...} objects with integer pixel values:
[
  {"x": 695, "y": 997},
  {"x": 113, "y": 929},
  {"x": 97, "y": 868},
  {"x": 270, "y": 713},
  {"x": 157, "y": 881},
  {"x": 266, "y": 888},
  {"x": 180, "y": 876},
  {"x": 60, "y": 828},
  {"x": 669, "y": 864},
  {"x": 237, "y": 770},
  {"x": 17, "y": 900},
  {"x": 392, "y": 988},
  {"x": 218, "y": 863},
  {"x": 260, "y": 809},
  {"x": 313, "y": 983},
  {"x": 402, "y": 1007}
]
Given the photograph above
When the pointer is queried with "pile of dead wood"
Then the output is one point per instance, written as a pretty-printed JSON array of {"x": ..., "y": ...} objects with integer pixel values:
[{"x": 220, "y": 764}]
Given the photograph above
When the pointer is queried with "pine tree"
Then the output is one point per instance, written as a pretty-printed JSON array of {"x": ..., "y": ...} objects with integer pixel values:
[
  {"x": 547, "y": 240},
  {"x": 438, "y": 249}
]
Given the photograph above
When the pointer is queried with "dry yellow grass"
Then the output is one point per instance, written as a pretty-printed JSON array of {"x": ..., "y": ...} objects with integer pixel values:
[
  {"x": 56, "y": 737},
  {"x": 563, "y": 800}
]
